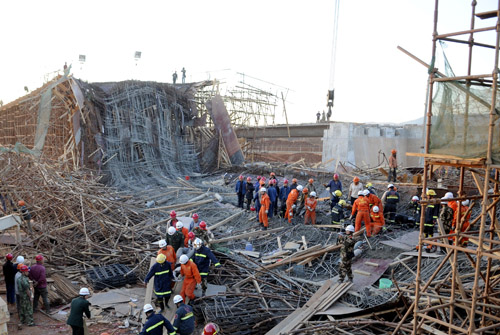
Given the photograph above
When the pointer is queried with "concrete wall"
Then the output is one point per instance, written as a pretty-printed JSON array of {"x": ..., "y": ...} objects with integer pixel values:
[{"x": 360, "y": 144}]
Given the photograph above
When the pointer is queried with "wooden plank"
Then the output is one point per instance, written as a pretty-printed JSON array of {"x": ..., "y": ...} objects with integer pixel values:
[
  {"x": 246, "y": 235},
  {"x": 372, "y": 264},
  {"x": 226, "y": 220},
  {"x": 361, "y": 272}
]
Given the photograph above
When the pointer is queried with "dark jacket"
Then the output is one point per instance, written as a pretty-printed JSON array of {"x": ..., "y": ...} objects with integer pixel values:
[
  {"x": 271, "y": 192},
  {"x": 163, "y": 277},
  {"x": 285, "y": 191},
  {"x": 334, "y": 185},
  {"x": 79, "y": 306},
  {"x": 184, "y": 319},
  {"x": 241, "y": 187},
  {"x": 176, "y": 240},
  {"x": 202, "y": 258},
  {"x": 431, "y": 214},
  {"x": 154, "y": 325},
  {"x": 250, "y": 189},
  {"x": 9, "y": 272},
  {"x": 337, "y": 214}
]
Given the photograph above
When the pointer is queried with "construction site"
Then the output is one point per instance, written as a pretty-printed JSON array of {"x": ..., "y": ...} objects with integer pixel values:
[{"x": 93, "y": 175}]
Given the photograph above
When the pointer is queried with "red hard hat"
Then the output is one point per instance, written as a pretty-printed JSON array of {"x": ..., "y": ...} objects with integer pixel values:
[
  {"x": 203, "y": 225},
  {"x": 187, "y": 178},
  {"x": 249, "y": 178},
  {"x": 285, "y": 181},
  {"x": 9, "y": 257},
  {"x": 173, "y": 214},
  {"x": 252, "y": 208},
  {"x": 311, "y": 181},
  {"x": 191, "y": 235},
  {"x": 21, "y": 203},
  {"x": 273, "y": 174},
  {"x": 258, "y": 177},
  {"x": 263, "y": 179},
  {"x": 195, "y": 216},
  {"x": 24, "y": 268},
  {"x": 240, "y": 177},
  {"x": 211, "y": 329},
  {"x": 39, "y": 258},
  {"x": 335, "y": 176}
]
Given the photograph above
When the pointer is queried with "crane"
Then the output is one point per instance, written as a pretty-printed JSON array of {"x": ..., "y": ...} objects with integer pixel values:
[{"x": 331, "y": 87}]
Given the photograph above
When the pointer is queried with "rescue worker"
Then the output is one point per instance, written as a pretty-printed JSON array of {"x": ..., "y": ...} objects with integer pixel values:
[
  {"x": 294, "y": 184},
  {"x": 393, "y": 165},
  {"x": 301, "y": 201},
  {"x": 447, "y": 214},
  {"x": 194, "y": 221},
  {"x": 9, "y": 273},
  {"x": 361, "y": 209},
  {"x": 38, "y": 276},
  {"x": 415, "y": 208},
  {"x": 265, "y": 203},
  {"x": 371, "y": 189},
  {"x": 184, "y": 317},
  {"x": 240, "y": 190},
  {"x": 431, "y": 216},
  {"x": 284, "y": 192},
  {"x": 79, "y": 306},
  {"x": 334, "y": 184},
  {"x": 335, "y": 198},
  {"x": 249, "y": 192},
  {"x": 162, "y": 271},
  {"x": 354, "y": 189},
  {"x": 192, "y": 277},
  {"x": 23, "y": 286},
  {"x": 168, "y": 251},
  {"x": 390, "y": 200},
  {"x": 377, "y": 219},
  {"x": 257, "y": 197},
  {"x": 273, "y": 198},
  {"x": 347, "y": 242},
  {"x": 310, "y": 185},
  {"x": 203, "y": 257},
  {"x": 310, "y": 204},
  {"x": 155, "y": 323},
  {"x": 25, "y": 214},
  {"x": 373, "y": 200},
  {"x": 175, "y": 238},
  {"x": 338, "y": 214},
  {"x": 465, "y": 220},
  {"x": 173, "y": 219},
  {"x": 184, "y": 231},
  {"x": 211, "y": 329},
  {"x": 290, "y": 202},
  {"x": 202, "y": 233}
]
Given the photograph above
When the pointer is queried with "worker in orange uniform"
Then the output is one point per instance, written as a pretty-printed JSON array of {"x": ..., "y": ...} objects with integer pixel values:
[
  {"x": 290, "y": 202},
  {"x": 361, "y": 209},
  {"x": 265, "y": 203},
  {"x": 192, "y": 277},
  {"x": 301, "y": 201},
  {"x": 373, "y": 200},
  {"x": 377, "y": 221},
  {"x": 393, "y": 165},
  {"x": 168, "y": 251},
  {"x": 311, "y": 203},
  {"x": 465, "y": 222}
]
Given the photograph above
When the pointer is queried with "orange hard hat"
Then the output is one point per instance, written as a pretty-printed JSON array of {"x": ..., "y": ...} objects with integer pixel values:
[
  {"x": 273, "y": 174},
  {"x": 294, "y": 180},
  {"x": 311, "y": 181},
  {"x": 305, "y": 190},
  {"x": 356, "y": 179},
  {"x": 262, "y": 181},
  {"x": 21, "y": 203},
  {"x": 393, "y": 151}
]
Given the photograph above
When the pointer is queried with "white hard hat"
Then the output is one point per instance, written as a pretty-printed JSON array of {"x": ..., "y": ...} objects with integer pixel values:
[
  {"x": 184, "y": 259},
  {"x": 262, "y": 189},
  {"x": 179, "y": 225},
  {"x": 313, "y": 194},
  {"x": 415, "y": 198},
  {"x": 375, "y": 209},
  {"x": 162, "y": 243},
  {"x": 178, "y": 298},
  {"x": 147, "y": 308},
  {"x": 20, "y": 259},
  {"x": 366, "y": 192},
  {"x": 197, "y": 243},
  {"x": 84, "y": 291},
  {"x": 390, "y": 185},
  {"x": 300, "y": 188},
  {"x": 350, "y": 228},
  {"x": 465, "y": 202},
  {"x": 171, "y": 230},
  {"x": 448, "y": 195},
  {"x": 361, "y": 193}
]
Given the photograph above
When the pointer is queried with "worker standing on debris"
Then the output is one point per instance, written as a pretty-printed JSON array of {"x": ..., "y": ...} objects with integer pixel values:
[
  {"x": 390, "y": 199},
  {"x": 354, "y": 189},
  {"x": 241, "y": 189},
  {"x": 175, "y": 238},
  {"x": 431, "y": 216},
  {"x": 191, "y": 277},
  {"x": 273, "y": 197},
  {"x": 249, "y": 192},
  {"x": 155, "y": 323},
  {"x": 195, "y": 221},
  {"x": 415, "y": 208},
  {"x": 257, "y": 197},
  {"x": 184, "y": 231},
  {"x": 38, "y": 276},
  {"x": 447, "y": 214},
  {"x": 371, "y": 189},
  {"x": 184, "y": 317},
  {"x": 202, "y": 233},
  {"x": 174, "y": 77},
  {"x": 162, "y": 271},
  {"x": 310, "y": 185},
  {"x": 168, "y": 251},
  {"x": 311, "y": 203},
  {"x": 79, "y": 306},
  {"x": 361, "y": 209},
  {"x": 272, "y": 176},
  {"x": 203, "y": 257},
  {"x": 301, "y": 201},
  {"x": 23, "y": 286},
  {"x": 464, "y": 218},
  {"x": 19, "y": 265},
  {"x": 173, "y": 219},
  {"x": 338, "y": 214},
  {"x": 377, "y": 221},
  {"x": 294, "y": 184},
  {"x": 9, "y": 273},
  {"x": 25, "y": 214},
  {"x": 346, "y": 242},
  {"x": 257, "y": 183},
  {"x": 393, "y": 165},
  {"x": 265, "y": 203},
  {"x": 183, "y": 75},
  {"x": 284, "y": 192},
  {"x": 334, "y": 185},
  {"x": 290, "y": 202}
]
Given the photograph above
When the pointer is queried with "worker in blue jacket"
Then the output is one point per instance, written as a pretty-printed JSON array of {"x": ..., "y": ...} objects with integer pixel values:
[
  {"x": 202, "y": 258},
  {"x": 184, "y": 318},
  {"x": 162, "y": 270},
  {"x": 241, "y": 189},
  {"x": 284, "y": 192},
  {"x": 155, "y": 323},
  {"x": 273, "y": 196}
]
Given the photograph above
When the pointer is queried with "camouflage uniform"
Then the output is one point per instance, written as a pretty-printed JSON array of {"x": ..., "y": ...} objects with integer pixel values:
[
  {"x": 446, "y": 217},
  {"x": 347, "y": 254},
  {"x": 176, "y": 240},
  {"x": 26, "y": 310},
  {"x": 203, "y": 235}
]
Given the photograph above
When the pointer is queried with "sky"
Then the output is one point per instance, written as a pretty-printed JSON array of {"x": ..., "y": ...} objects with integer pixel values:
[{"x": 287, "y": 43}]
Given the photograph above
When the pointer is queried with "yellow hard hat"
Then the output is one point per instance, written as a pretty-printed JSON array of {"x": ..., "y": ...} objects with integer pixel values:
[
  {"x": 161, "y": 258},
  {"x": 342, "y": 203},
  {"x": 369, "y": 185},
  {"x": 338, "y": 193},
  {"x": 431, "y": 192}
]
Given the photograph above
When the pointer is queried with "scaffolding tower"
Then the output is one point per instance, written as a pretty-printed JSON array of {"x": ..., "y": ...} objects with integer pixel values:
[{"x": 448, "y": 306}]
